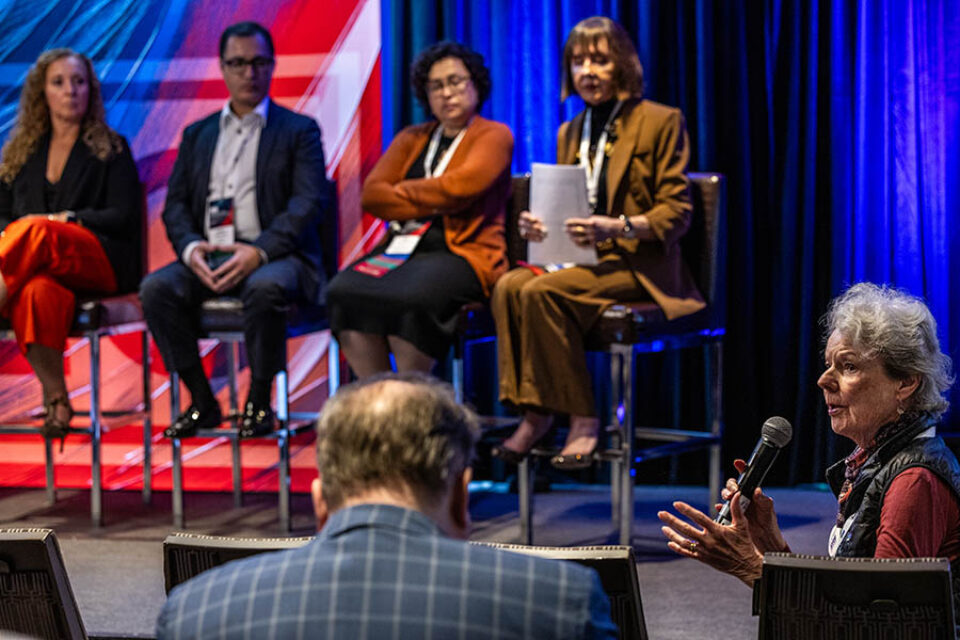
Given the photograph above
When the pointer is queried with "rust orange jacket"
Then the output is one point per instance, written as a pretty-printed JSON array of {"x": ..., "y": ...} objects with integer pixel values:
[{"x": 471, "y": 195}]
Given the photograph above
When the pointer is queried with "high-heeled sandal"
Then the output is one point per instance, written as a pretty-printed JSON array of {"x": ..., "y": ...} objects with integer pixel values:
[
  {"x": 53, "y": 427},
  {"x": 513, "y": 456}
]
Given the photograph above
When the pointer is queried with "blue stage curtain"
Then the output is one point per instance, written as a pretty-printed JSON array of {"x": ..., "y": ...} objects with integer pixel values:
[{"x": 836, "y": 124}]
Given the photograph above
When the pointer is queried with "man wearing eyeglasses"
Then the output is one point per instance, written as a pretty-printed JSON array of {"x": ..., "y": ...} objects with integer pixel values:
[{"x": 245, "y": 202}]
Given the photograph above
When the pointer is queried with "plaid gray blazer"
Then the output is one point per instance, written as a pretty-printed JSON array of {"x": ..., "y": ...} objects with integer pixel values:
[{"x": 382, "y": 572}]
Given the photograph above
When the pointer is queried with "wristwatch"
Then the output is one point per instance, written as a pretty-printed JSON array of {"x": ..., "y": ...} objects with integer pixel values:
[{"x": 628, "y": 231}]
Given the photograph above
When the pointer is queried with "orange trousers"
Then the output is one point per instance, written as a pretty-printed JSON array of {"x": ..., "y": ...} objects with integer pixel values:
[{"x": 43, "y": 263}]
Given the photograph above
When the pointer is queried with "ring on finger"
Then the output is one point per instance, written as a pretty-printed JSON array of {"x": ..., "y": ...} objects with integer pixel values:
[{"x": 692, "y": 545}]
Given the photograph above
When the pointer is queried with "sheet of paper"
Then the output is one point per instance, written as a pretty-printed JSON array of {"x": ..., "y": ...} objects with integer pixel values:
[{"x": 558, "y": 192}]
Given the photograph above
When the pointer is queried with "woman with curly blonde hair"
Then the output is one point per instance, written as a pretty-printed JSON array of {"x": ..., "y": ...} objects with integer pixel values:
[{"x": 70, "y": 215}]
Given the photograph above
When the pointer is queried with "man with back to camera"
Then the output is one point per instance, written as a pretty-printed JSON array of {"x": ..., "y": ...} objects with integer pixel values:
[
  {"x": 244, "y": 204},
  {"x": 390, "y": 560}
]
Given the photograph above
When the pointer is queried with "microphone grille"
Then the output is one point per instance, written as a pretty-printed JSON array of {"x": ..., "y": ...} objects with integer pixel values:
[{"x": 777, "y": 431}]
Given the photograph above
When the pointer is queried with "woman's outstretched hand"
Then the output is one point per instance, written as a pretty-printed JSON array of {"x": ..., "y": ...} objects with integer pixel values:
[{"x": 728, "y": 548}]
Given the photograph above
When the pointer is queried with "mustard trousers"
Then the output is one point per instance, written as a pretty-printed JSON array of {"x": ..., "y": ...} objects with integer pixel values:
[{"x": 541, "y": 323}]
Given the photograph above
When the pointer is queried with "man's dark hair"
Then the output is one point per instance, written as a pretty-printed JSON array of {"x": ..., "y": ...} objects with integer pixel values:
[
  {"x": 473, "y": 61},
  {"x": 245, "y": 29}
]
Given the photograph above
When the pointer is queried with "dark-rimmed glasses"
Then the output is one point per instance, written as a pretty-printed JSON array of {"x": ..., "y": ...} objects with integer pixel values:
[
  {"x": 455, "y": 82},
  {"x": 238, "y": 65}
]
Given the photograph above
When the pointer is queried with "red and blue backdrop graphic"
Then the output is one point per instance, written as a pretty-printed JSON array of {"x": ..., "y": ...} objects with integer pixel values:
[{"x": 157, "y": 61}]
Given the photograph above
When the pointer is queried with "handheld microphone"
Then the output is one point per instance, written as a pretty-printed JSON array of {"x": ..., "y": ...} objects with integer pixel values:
[{"x": 774, "y": 435}]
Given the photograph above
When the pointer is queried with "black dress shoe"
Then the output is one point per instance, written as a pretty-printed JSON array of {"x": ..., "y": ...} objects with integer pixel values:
[
  {"x": 190, "y": 421},
  {"x": 256, "y": 421},
  {"x": 508, "y": 455}
]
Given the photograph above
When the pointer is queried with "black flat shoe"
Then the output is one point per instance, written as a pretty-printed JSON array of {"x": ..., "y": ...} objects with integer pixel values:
[
  {"x": 256, "y": 421},
  {"x": 192, "y": 420},
  {"x": 575, "y": 462},
  {"x": 508, "y": 455}
]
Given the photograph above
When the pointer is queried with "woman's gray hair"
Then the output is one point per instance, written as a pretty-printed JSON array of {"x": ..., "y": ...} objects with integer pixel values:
[{"x": 899, "y": 329}]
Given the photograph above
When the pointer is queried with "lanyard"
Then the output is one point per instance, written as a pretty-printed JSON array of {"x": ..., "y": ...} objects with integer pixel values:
[
  {"x": 593, "y": 172},
  {"x": 447, "y": 155}
]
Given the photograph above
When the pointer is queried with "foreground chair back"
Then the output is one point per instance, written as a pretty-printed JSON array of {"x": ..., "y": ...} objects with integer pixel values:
[
  {"x": 617, "y": 568},
  {"x": 801, "y": 597},
  {"x": 35, "y": 595},
  {"x": 187, "y": 555}
]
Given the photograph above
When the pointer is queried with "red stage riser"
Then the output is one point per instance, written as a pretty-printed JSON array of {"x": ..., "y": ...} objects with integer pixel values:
[{"x": 22, "y": 460}]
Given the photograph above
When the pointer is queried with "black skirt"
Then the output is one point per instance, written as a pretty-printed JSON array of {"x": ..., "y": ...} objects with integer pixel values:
[{"x": 418, "y": 301}]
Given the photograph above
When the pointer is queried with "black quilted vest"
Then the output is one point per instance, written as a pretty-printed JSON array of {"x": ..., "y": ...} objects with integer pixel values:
[{"x": 866, "y": 499}]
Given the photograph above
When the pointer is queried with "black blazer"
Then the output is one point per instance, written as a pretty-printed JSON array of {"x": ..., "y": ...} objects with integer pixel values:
[
  {"x": 293, "y": 193},
  {"x": 106, "y": 196}
]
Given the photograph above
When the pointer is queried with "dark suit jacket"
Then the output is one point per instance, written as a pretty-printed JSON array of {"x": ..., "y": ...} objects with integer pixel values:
[
  {"x": 292, "y": 190},
  {"x": 106, "y": 196},
  {"x": 646, "y": 173},
  {"x": 379, "y": 571}
]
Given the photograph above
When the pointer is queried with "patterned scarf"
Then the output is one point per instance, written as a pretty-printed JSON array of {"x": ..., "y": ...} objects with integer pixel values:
[{"x": 860, "y": 455}]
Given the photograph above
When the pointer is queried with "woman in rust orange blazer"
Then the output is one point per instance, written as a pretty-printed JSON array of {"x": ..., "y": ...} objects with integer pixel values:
[
  {"x": 636, "y": 152},
  {"x": 443, "y": 186}
]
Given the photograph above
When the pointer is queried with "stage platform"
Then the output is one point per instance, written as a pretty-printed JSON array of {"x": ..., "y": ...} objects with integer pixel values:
[
  {"x": 117, "y": 571},
  {"x": 206, "y": 461}
]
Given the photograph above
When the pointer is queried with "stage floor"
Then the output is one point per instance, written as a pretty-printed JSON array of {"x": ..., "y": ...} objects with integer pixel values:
[{"x": 117, "y": 572}]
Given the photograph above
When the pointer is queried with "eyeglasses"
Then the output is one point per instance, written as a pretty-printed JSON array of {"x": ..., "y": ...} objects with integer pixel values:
[
  {"x": 238, "y": 65},
  {"x": 456, "y": 84}
]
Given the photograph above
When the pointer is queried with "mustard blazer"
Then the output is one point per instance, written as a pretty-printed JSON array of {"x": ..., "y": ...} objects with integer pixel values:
[
  {"x": 646, "y": 174},
  {"x": 471, "y": 194}
]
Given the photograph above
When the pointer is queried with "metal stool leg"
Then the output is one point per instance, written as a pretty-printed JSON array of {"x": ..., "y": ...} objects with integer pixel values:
[
  {"x": 96, "y": 432},
  {"x": 676, "y": 386},
  {"x": 283, "y": 443},
  {"x": 147, "y": 421},
  {"x": 51, "y": 477},
  {"x": 237, "y": 471},
  {"x": 233, "y": 349},
  {"x": 457, "y": 369},
  {"x": 333, "y": 366},
  {"x": 232, "y": 353},
  {"x": 616, "y": 404},
  {"x": 525, "y": 477},
  {"x": 626, "y": 473},
  {"x": 176, "y": 451},
  {"x": 713, "y": 382}
]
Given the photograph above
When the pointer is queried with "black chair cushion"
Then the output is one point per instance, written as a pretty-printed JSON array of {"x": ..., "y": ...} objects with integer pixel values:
[
  {"x": 475, "y": 321},
  {"x": 640, "y": 322},
  {"x": 225, "y": 315},
  {"x": 99, "y": 313}
]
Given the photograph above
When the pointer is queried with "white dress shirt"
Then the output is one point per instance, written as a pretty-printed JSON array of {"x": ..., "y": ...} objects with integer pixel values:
[{"x": 233, "y": 173}]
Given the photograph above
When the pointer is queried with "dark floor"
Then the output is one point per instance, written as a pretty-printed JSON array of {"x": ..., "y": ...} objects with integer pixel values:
[{"x": 117, "y": 573}]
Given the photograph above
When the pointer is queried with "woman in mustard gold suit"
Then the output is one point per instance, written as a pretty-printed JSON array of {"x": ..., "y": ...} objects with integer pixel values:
[{"x": 635, "y": 153}]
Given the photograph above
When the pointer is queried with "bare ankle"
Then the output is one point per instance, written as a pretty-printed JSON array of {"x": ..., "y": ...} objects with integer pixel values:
[
  {"x": 538, "y": 422},
  {"x": 584, "y": 426}
]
